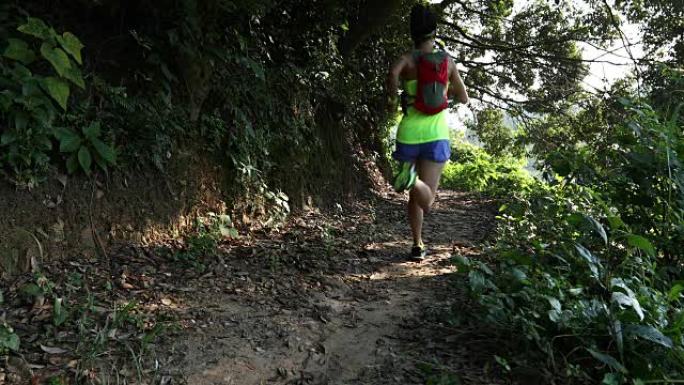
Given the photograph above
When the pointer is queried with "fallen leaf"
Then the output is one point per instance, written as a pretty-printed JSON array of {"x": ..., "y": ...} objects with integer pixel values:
[{"x": 52, "y": 350}]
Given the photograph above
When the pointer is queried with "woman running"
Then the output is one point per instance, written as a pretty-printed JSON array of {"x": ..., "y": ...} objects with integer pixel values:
[{"x": 429, "y": 78}]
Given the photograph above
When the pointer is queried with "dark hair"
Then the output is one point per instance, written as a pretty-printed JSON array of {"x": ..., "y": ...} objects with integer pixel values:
[{"x": 423, "y": 24}]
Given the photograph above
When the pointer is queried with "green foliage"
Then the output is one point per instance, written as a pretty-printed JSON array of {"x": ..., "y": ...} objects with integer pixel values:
[
  {"x": 586, "y": 269},
  {"x": 85, "y": 147},
  {"x": 38, "y": 70},
  {"x": 498, "y": 138},
  {"x": 473, "y": 169},
  {"x": 8, "y": 339},
  {"x": 209, "y": 231}
]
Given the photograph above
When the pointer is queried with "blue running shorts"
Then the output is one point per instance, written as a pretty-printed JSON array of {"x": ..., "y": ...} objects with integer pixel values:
[{"x": 438, "y": 151}]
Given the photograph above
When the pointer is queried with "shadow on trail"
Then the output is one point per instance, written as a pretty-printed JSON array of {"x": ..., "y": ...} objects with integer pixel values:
[{"x": 330, "y": 300}]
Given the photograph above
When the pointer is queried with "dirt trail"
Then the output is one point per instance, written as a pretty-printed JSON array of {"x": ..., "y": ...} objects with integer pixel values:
[{"x": 329, "y": 300}]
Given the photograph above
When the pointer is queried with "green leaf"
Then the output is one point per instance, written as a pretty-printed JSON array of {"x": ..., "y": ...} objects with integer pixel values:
[
  {"x": 72, "y": 163},
  {"x": 69, "y": 141},
  {"x": 32, "y": 290},
  {"x": 615, "y": 222},
  {"x": 73, "y": 74},
  {"x": 57, "y": 57},
  {"x": 460, "y": 261},
  {"x": 554, "y": 302},
  {"x": 675, "y": 292},
  {"x": 590, "y": 258},
  {"x": 106, "y": 152},
  {"x": 92, "y": 130},
  {"x": 642, "y": 244},
  {"x": 611, "y": 379},
  {"x": 623, "y": 299},
  {"x": 35, "y": 27},
  {"x": 477, "y": 280},
  {"x": 7, "y": 138},
  {"x": 8, "y": 339},
  {"x": 72, "y": 45},
  {"x": 649, "y": 333},
  {"x": 19, "y": 50},
  {"x": 58, "y": 89},
  {"x": 84, "y": 159},
  {"x": 608, "y": 360},
  {"x": 59, "y": 313},
  {"x": 598, "y": 228},
  {"x": 519, "y": 275}
]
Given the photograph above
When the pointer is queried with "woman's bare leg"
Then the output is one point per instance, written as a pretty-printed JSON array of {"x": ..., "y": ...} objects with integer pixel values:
[{"x": 422, "y": 195}]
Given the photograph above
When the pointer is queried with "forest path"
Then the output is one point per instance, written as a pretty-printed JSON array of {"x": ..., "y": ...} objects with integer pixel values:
[{"x": 332, "y": 300}]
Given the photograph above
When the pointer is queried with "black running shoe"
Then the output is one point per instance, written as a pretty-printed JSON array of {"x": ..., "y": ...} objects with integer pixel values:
[{"x": 418, "y": 253}]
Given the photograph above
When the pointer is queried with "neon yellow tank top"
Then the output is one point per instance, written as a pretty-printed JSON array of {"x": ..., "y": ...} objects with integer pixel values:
[{"x": 416, "y": 127}]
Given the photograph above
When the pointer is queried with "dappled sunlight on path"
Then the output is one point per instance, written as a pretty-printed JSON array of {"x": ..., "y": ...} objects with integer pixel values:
[{"x": 330, "y": 300}]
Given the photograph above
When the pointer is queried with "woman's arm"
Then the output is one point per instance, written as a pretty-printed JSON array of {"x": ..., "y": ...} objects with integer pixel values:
[
  {"x": 457, "y": 89},
  {"x": 392, "y": 86}
]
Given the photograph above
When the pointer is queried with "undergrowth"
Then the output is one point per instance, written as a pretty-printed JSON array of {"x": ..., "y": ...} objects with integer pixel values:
[
  {"x": 471, "y": 168},
  {"x": 583, "y": 281}
]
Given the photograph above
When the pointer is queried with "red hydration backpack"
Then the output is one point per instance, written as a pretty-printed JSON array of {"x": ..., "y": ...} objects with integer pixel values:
[{"x": 433, "y": 77}]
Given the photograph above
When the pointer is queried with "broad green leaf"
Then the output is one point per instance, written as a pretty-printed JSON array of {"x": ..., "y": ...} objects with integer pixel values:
[
  {"x": 57, "y": 57},
  {"x": 519, "y": 275},
  {"x": 69, "y": 141},
  {"x": 590, "y": 258},
  {"x": 611, "y": 379},
  {"x": 554, "y": 315},
  {"x": 598, "y": 228},
  {"x": 554, "y": 302},
  {"x": 461, "y": 261},
  {"x": 35, "y": 27},
  {"x": 63, "y": 133},
  {"x": 72, "y": 45},
  {"x": 641, "y": 243},
  {"x": 72, "y": 163},
  {"x": 8, "y": 339},
  {"x": 649, "y": 333},
  {"x": 623, "y": 299},
  {"x": 675, "y": 292},
  {"x": 59, "y": 313},
  {"x": 12, "y": 342},
  {"x": 615, "y": 222},
  {"x": 7, "y": 138},
  {"x": 58, "y": 89},
  {"x": 84, "y": 159},
  {"x": 608, "y": 360},
  {"x": 92, "y": 130},
  {"x": 73, "y": 74},
  {"x": 105, "y": 151},
  {"x": 477, "y": 280},
  {"x": 31, "y": 289},
  {"x": 19, "y": 50}
]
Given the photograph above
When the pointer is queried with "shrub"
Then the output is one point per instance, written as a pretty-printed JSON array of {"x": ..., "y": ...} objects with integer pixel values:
[{"x": 473, "y": 169}]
